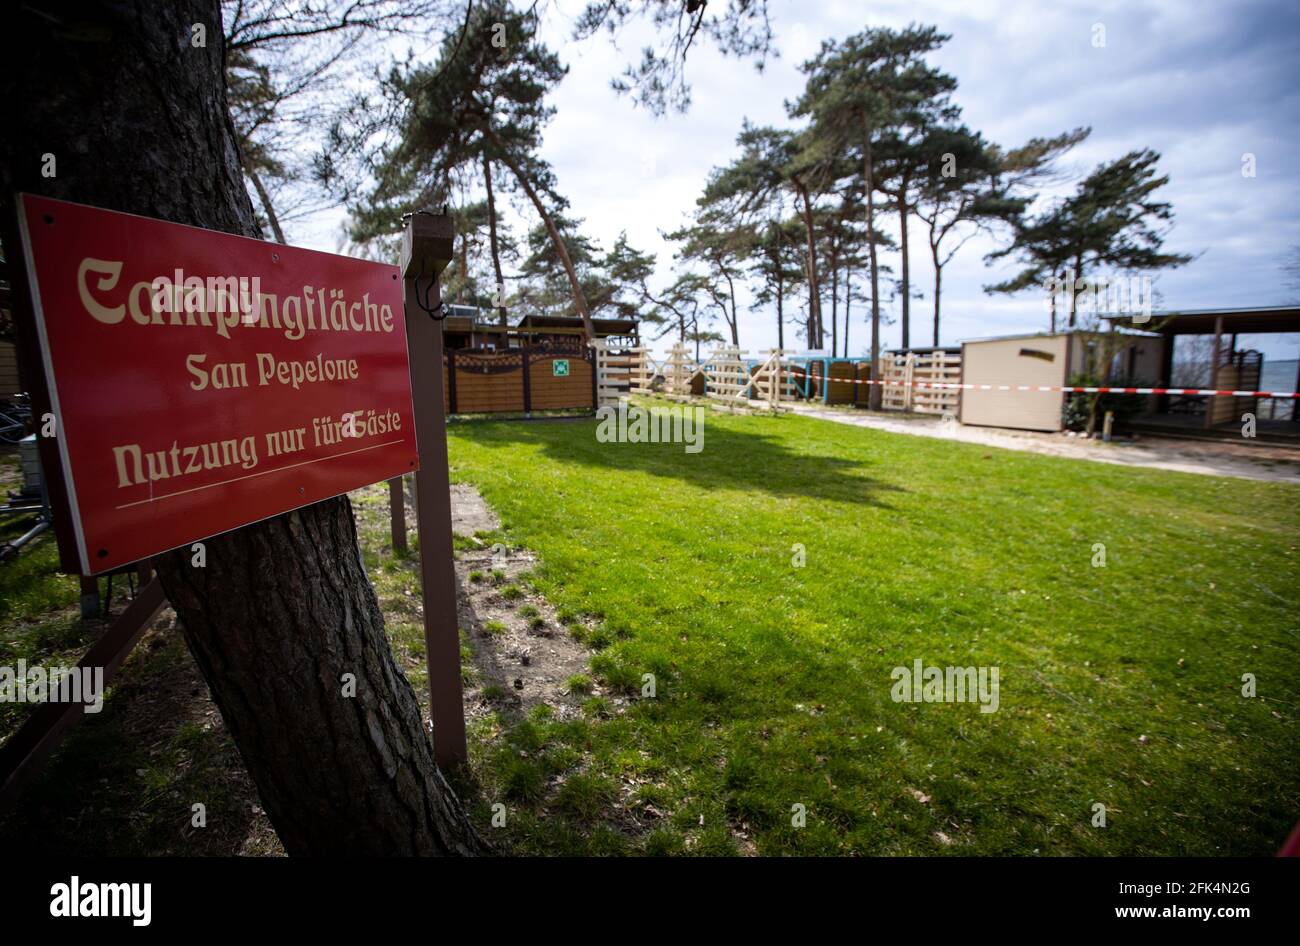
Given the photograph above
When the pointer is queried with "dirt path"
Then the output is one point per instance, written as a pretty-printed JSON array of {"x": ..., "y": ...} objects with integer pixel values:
[
  {"x": 1251, "y": 461},
  {"x": 523, "y": 654}
]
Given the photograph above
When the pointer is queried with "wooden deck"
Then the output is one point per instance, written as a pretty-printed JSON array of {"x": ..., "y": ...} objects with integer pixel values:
[{"x": 1193, "y": 426}]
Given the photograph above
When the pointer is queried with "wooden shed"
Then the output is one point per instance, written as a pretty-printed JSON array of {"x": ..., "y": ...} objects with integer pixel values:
[{"x": 1047, "y": 360}]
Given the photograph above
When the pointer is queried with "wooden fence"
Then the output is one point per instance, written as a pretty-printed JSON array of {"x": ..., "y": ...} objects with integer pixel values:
[
  {"x": 620, "y": 373},
  {"x": 731, "y": 380},
  {"x": 901, "y": 371},
  {"x": 728, "y": 376},
  {"x": 517, "y": 380},
  {"x": 679, "y": 371},
  {"x": 834, "y": 385}
]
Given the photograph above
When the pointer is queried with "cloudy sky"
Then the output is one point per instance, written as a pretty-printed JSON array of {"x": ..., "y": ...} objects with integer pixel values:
[{"x": 1203, "y": 83}]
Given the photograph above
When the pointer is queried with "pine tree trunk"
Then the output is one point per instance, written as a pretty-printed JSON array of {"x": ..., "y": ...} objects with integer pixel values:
[
  {"x": 137, "y": 119},
  {"x": 848, "y": 307},
  {"x": 464, "y": 268},
  {"x": 492, "y": 240},
  {"x": 835, "y": 303},
  {"x": 265, "y": 197},
  {"x": 732, "y": 320},
  {"x": 814, "y": 290},
  {"x": 1053, "y": 303},
  {"x": 938, "y": 286},
  {"x": 874, "y": 398},
  {"x": 1075, "y": 276},
  {"x": 579, "y": 297},
  {"x": 780, "y": 314},
  {"x": 905, "y": 316}
]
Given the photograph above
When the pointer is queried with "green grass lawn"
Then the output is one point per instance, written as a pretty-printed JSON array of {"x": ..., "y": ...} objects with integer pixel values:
[{"x": 1120, "y": 685}]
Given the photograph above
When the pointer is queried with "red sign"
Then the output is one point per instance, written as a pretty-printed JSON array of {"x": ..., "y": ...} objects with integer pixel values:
[{"x": 202, "y": 381}]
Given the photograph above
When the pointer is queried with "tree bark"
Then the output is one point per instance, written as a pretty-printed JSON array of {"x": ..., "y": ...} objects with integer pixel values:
[
  {"x": 464, "y": 267},
  {"x": 732, "y": 320},
  {"x": 848, "y": 306},
  {"x": 1074, "y": 289},
  {"x": 902, "y": 246},
  {"x": 814, "y": 290},
  {"x": 874, "y": 398},
  {"x": 835, "y": 303},
  {"x": 938, "y": 286},
  {"x": 492, "y": 240},
  {"x": 1052, "y": 302},
  {"x": 780, "y": 293},
  {"x": 265, "y": 198},
  {"x": 780, "y": 314},
  {"x": 579, "y": 297},
  {"x": 138, "y": 120}
]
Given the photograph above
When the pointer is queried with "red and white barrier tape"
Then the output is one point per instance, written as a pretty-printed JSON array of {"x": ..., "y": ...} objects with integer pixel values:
[{"x": 1063, "y": 389}]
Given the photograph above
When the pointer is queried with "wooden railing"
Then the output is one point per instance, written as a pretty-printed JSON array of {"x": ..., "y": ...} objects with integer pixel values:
[{"x": 900, "y": 372}]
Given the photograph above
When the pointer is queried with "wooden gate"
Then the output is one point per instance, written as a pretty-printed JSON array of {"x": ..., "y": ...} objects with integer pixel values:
[
  {"x": 620, "y": 373},
  {"x": 903, "y": 374}
]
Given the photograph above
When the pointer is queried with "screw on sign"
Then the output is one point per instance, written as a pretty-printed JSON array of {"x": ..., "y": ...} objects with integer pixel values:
[{"x": 203, "y": 381}]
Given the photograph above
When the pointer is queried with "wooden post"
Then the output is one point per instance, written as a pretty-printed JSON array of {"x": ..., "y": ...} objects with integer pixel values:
[
  {"x": 1214, "y": 372},
  {"x": 426, "y": 251},
  {"x": 90, "y": 603},
  {"x": 1295, "y": 401},
  {"x": 451, "y": 381},
  {"x": 528, "y": 387},
  {"x": 1166, "y": 378},
  {"x": 397, "y": 512}
]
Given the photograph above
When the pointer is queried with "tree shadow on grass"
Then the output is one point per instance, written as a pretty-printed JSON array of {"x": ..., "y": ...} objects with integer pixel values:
[
  {"x": 125, "y": 780},
  {"x": 729, "y": 459}
]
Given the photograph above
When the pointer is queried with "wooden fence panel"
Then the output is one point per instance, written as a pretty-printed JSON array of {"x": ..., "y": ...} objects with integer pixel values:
[
  {"x": 549, "y": 392},
  {"x": 902, "y": 372},
  {"x": 728, "y": 376},
  {"x": 494, "y": 382},
  {"x": 896, "y": 393},
  {"x": 679, "y": 372},
  {"x": 840, "y": 391}
]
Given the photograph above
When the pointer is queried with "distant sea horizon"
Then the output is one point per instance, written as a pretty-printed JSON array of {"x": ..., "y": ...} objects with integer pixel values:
[{"x": 1279, "y": 375}]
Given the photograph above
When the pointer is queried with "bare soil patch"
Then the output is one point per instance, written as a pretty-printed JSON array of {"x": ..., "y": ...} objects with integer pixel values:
[{"x": 523, "y": 654}]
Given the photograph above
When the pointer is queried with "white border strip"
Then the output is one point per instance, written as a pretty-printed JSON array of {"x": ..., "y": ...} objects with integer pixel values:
[{"x": 51, "y": 385}]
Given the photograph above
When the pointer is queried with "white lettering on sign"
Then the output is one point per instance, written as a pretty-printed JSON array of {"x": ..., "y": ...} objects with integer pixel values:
[
  {"x": 109, "y": 274},
  {"x": 225, "y": 302}
]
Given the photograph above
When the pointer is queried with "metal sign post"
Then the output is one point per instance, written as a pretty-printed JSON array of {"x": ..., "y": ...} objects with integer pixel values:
[{"x": 426, "y": 251}]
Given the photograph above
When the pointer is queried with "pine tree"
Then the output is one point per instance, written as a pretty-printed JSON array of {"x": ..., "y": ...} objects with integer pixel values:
[
  {"x": 482, "y": 103},
  {"x": 1112, "y": 221},
  {"x": 860, "y": 91}
]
